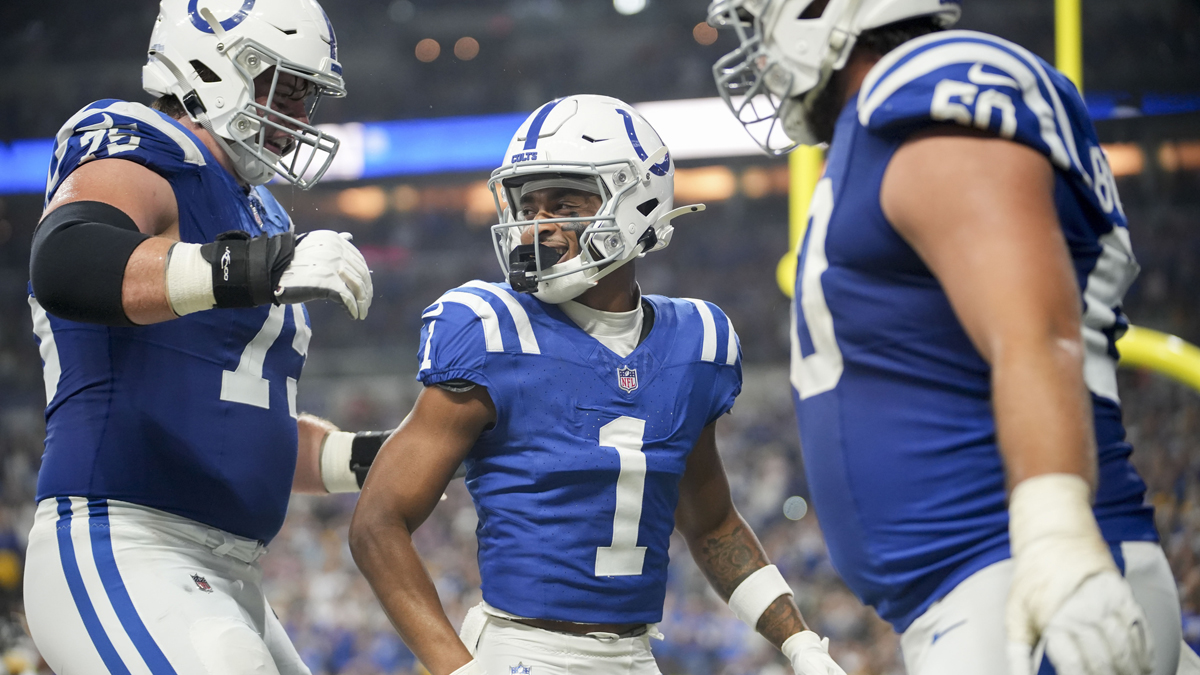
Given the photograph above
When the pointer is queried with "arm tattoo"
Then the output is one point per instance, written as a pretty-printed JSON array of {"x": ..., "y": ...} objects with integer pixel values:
[
  {"x": 781, "y": 620},
  {"x": 727, "y": 559}
]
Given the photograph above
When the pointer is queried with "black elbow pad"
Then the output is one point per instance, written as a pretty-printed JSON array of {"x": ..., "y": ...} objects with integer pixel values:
[{"x": 77, "y": 262}]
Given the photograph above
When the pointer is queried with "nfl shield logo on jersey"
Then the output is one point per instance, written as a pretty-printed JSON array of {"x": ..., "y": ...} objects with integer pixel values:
[
  {"x": 202, "y": 583},
  {"x": 627, "y": 378},
  {"x": 520, "y": 669}
]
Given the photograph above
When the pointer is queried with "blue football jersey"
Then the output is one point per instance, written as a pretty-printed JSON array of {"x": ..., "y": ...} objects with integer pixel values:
[
  {"x": 576, "y": 484},
  {"x": 193, "y": 416},
  {"x": 893, "y": 401}
]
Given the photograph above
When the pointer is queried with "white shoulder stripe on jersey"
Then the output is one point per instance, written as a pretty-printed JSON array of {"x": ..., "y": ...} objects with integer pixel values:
[
  {"x": 731, "y": 346},
  {"x": 529, "y": 343},
  {"x": 972, "y": 52},
  {"x": 487, "y": 316},
  {"x": 52, "y": 370},
  {"x": 191, "y": 153},
  {"x": 708, "y": 351},
  {"x": 1060, "y": 111}
]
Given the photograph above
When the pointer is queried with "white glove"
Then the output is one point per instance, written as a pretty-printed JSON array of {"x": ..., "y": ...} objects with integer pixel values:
[
  {"x": 809, "y": 655},
  {"x": 1066, "y": 590},
  {"x": 326, "y": 266}
]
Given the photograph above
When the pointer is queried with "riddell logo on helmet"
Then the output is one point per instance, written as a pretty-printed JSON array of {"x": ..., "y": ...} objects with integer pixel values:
[{"x": 530, "y": 156}]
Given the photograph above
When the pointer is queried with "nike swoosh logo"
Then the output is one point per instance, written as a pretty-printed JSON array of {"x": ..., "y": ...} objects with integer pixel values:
[
  {"x": 938, "y": 635},
  {"x": 982, "y": 78}
]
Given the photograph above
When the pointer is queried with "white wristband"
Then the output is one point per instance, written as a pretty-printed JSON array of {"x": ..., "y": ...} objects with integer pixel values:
[
  {"x": 753, "y": 596},
  {"x": 472, "y": 667},
  {"x": 335, "y": 462},
  {"x": 189, "y": 280}
]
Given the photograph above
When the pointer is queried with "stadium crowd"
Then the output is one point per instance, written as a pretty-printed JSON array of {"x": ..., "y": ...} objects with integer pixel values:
[{"x": 360, "y": 375}]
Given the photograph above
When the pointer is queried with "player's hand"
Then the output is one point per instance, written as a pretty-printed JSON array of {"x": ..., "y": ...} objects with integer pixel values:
[
  {"x": 809, "y": 655},
  {"x": 326, "y": 266},
  {"x": 1066, "y": 591}
]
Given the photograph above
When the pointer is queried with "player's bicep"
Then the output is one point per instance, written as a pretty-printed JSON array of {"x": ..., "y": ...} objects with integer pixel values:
[
  {"x": 416, "y": 463},
  {"x": 143, "y": 195},
  {"x": 704, "y": 499},
  {"x": 980, "y": 212}
]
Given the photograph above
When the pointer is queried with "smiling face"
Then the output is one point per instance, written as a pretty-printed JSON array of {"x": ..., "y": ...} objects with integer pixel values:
[
  {"x": 292, "y": 98},
  {"x": 556, "y": 202}
]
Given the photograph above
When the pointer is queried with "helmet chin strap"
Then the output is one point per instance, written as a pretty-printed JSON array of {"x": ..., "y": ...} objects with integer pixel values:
[{"x": 554, "y": 294}]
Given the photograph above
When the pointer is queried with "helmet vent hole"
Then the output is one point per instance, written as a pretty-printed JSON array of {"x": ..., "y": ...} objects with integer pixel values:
[
  {"x": 814, "y": 10},
  {"x": 589, "y": 139},
  {"x": 647, "y": 206},
  {"x": 204, "y": 72}
]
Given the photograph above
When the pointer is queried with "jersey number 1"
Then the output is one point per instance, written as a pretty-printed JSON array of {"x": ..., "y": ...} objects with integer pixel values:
[{"x": 625, "y": 557}]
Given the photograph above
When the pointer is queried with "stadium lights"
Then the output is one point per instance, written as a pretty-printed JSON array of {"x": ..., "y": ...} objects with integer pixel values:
[
  {"x": 466, "y": 48},
  {"x": 629, "y": 7},
  {"x": 704, "y": 33},
  {"x": 693, "y": 129},
  {"x": 428, "y": 50}
]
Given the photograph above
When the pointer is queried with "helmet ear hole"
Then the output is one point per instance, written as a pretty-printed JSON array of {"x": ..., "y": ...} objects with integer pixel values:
[
  {"x": 647, "y": 206},
  {"x": 205, "y": 73}
]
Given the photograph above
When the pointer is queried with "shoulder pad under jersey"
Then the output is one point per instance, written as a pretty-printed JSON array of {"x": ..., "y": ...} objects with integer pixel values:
[
  {"x": 131, "y": 131},
  {"x": 979, "y": 81},
  {"x": 465, "y": 325}
]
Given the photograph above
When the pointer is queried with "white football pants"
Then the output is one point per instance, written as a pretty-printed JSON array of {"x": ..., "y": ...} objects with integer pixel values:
[
  {"x": 117, "y": 588},
  {"x": 964, "y": 631},
  {"x": 505, "y": 647}
]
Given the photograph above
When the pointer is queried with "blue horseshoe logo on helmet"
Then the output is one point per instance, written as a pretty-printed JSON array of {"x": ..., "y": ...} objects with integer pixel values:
[
  {"x": 659, "y": 169},
  {"x": 202, "y": 25}
]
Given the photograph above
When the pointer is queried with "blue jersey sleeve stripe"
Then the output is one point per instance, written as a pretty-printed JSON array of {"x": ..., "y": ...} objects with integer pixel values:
[
  {"x": 520, "y": 317},
  {"x": 118, "y": 594},
  {"x": 954, "y": 53},
  {"x": 83, "y": 603},
  {"x": 493, "y": 340},
  {"x": 708, "y": 350}
]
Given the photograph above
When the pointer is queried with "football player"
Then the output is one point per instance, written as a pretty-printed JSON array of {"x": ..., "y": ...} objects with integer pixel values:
[
  {"x": 166, "y": 289},
  {"x": 586, "y": 414},
  {"x": 956, "y": 311}
]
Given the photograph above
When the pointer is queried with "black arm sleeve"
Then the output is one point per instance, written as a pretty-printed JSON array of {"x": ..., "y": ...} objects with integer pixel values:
[{"x": 77, "y": 262}]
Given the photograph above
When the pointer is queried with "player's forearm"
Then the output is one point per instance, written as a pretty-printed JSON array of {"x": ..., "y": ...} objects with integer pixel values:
[
  {"x": 728, "y": 554},
  {"x": 144, "y": 288},
  {"x": 311, "y": 432},
  {"x": 1043, "y": 411},
  {"x": 385, "y": 554}
]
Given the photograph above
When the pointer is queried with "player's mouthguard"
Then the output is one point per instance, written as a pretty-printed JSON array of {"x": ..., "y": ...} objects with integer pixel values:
[{"x": 523, "y": 265}]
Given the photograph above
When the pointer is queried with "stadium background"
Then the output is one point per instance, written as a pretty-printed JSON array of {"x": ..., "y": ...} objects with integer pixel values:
[{"x": 426, "y": 232}]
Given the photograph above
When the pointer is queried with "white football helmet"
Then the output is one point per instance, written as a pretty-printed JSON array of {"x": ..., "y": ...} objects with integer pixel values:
[
  {"x": 208, "y": 52},
  {"x": 784, "y": 62},
  {"x": 598, "y": 144}
]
